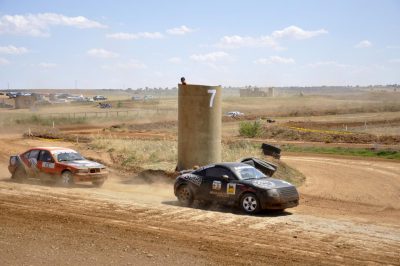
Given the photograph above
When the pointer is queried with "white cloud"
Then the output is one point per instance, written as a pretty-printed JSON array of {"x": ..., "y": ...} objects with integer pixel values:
[
  {"x": 275, "y": 60},
  {"x": 180, "y": 30},
  {"x": 236, "y": 41},
  {"x": 47, "y": 65},
  {"x": 10, "y": 49},
  {"x": 328, "y": 64},
  {"x": 102, "y": 53},
  {"x": 175, "y": 60},
  {"x": 134, "y": 36},
  {"x": 4, "y": 61},
  {"x": 210, "y": 57},
  {"x": 295, "y": 32},
  {"x": 363, "y": 44},
  {"x": 39, "y": 24},
  {"x": 291, "y": 32}
]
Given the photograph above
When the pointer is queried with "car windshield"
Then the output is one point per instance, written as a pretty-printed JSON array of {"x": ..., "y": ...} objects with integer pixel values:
[
  {"x": 69, "y": 156},
  {"x": 248, "y": 172}
]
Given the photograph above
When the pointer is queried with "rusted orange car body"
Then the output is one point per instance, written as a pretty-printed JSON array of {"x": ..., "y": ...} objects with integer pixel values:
[{"x": 53, "y": 162}]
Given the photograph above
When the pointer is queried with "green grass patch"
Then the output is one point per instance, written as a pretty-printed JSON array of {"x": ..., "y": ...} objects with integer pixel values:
[
  {"x": 48, "y": 121},
  {"x": 362, "y": 152}
]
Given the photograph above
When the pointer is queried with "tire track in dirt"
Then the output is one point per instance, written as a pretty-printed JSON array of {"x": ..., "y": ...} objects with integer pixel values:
[
  {"x": 360, "y": 181},
  {"x": 304, "y": 235},
  {"x": 265, "y": 235}
]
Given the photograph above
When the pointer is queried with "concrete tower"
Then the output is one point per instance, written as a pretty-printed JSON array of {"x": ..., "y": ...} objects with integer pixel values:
[{"x": 199, "y": 125}]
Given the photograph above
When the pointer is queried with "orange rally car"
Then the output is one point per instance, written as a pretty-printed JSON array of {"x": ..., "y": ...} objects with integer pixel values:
[{"x": 62, "y": 165}]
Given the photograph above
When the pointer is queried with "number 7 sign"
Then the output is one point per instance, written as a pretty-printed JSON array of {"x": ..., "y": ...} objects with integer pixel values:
[{"x": 212, "y": 92}]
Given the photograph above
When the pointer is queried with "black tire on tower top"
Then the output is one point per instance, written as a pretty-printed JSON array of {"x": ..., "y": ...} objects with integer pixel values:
[
  {"x": 185, "y": 195},
  {"x": 249, "y": 203}
]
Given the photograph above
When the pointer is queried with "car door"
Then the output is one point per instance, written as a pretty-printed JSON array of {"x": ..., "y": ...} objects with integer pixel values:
[
  {"x": 32, "y": 161},
  {"x": 46, "y": 164},
  {"x": 220, "y": 188}
]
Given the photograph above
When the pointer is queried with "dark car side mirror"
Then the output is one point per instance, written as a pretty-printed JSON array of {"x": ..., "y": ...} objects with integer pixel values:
[{"x": 225, "y": 177}]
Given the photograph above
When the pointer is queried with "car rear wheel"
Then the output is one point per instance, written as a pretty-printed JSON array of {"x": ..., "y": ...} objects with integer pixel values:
[
  {"x": 66, "y": 179},
  {"x": 250, "y": 203},
  {"x": 19, "y": 174},
  {"x": 185, "y": 195}
]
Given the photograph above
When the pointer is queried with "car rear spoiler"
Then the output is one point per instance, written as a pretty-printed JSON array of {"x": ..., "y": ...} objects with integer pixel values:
[{"x": 266, "y": 167}]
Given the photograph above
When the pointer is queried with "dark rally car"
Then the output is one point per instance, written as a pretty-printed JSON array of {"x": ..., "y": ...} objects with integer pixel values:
[{"x": 235, "y": 183}]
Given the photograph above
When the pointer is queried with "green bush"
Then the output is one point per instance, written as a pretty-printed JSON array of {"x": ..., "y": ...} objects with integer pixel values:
[{"x": 250, "y": 129}]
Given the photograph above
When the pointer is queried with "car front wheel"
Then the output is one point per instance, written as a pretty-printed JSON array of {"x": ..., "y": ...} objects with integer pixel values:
[
  {"x": 249, "y": 203},
  {"x": 185, "y": 195},
  {"x": 66, "y": 179}
]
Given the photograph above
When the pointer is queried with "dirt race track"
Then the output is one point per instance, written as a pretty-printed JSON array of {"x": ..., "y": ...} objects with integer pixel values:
[{"x": 349, "y": 214}]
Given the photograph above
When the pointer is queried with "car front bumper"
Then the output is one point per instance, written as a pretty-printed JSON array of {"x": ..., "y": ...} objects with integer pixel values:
[
  {"x": 88, "y": 177},
  {"x": 288, "y": 198},
  {"x": 278, "y": 204}
]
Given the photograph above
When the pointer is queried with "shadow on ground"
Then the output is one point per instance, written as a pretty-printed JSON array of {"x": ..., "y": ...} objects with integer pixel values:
[{"x": 215, "y": 207}]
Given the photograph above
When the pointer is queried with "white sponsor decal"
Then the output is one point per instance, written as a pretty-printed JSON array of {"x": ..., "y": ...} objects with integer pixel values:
[
  {"x": 264, "y": 184},
  {"x": 48, "y": 165},
  {"x": 192, "y": 178}
]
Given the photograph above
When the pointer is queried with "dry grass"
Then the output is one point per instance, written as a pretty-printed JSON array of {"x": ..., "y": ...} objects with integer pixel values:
[
  {"x": 313, "y": 105},
  {"x": 133, "y": 154}
]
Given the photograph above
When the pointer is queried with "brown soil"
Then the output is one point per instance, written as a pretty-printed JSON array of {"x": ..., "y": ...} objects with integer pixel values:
[
  {"x": 330, "y": 125},
  {"x": 287, "y": 132},
  {"x": 349, "y": 214}
]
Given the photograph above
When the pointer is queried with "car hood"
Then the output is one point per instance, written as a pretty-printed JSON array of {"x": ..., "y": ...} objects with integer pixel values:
[
  {"x": 267, "y": 183},
  {"x": 83, "y": 164}
]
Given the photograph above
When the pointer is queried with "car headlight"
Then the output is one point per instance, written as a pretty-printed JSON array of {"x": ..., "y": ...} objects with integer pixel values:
[
  {"x": 273, "y": 193},
  {"x": 82, "y": 170}
]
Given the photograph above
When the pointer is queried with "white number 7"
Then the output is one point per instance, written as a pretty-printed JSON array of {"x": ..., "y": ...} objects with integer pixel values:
[{"x": 213, "y": 92}]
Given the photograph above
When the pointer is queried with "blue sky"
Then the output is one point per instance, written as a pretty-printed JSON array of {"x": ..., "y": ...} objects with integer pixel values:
[{"x": 121, "y": 44}]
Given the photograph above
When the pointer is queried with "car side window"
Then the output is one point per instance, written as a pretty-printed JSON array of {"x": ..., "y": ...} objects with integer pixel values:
[
  {"x": 218, "y": 172},
  {"x": 201, "y": 173},
  {"x": 45, "y": 156},
  {"x": 34, "y": 154}
]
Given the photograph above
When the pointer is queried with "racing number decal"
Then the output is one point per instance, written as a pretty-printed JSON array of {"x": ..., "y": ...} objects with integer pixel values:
[
  {"x": 212, "y": 92},
  {"x": 231, "y": 189},
  {"x": 47, "y": 165},
  {"x": 216, "y": 185}
]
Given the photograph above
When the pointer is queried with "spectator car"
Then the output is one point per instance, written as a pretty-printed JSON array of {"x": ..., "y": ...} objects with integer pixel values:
[
  {"x": 62, "y": 165},
  {"x": 99, "y": 98},
  {"x": 235, "y": 184}
]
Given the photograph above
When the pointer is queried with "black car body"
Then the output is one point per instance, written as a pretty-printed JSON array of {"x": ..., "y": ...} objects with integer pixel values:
[{"x": 235, "y": 183}]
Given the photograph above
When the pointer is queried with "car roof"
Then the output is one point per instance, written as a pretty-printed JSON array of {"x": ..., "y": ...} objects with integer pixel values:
[
  {"x": 53, "y": 149},
  {"x": 231, "y": 165}
]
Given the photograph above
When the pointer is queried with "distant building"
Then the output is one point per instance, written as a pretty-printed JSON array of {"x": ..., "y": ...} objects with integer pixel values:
[
  {"x": 24, "y": 101},
  {"x": 256, "y": 92}
]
